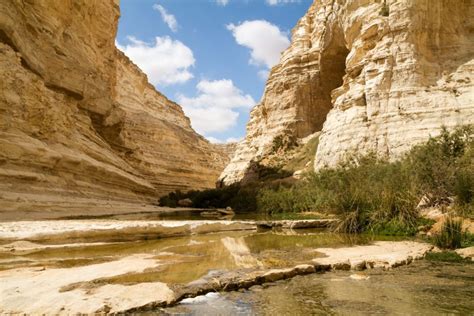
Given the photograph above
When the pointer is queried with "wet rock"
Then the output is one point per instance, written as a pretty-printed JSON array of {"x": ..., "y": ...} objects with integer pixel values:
[
  {"x": 127, "y": 230},
  {"x": 296, "y": 224},
  {"x": 210, "y": 214},
  {"x": 304, "y": 269},
  {"x": 343, "y": 265},
  {"x": 20, "y": 287},
  {"x": 256, "y": 288},
  {"x": 358, "y": 265},
  {"x": 218, "y": 213},
  {"x": 382, "y": 254}
]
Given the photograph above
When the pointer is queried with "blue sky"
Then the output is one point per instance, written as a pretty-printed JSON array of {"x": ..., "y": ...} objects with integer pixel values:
[{"x": 210, "y": 56}]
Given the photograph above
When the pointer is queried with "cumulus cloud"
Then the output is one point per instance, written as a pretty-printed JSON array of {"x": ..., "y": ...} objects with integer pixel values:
[
  {"x": 224, "y": 141},
  {"x": 263, "y": 74},
  {"x": 277, "y": 2},
  {"x": 265, "y": 41},
  {"x": 233, "y": 139},
  {"x": 222, "y": 2},
  {"x": 165, "y": 61},
  {"x": 213, "y": 109},
  {"x": 168, "y": 18}
]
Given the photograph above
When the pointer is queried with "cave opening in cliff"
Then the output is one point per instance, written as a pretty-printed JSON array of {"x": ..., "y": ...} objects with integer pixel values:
[{"x": 331, "y": 72}]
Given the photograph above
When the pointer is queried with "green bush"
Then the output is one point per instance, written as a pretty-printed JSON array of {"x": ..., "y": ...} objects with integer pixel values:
[
  {"x": 363, "y": 192},
  {"x": 446, "y": 256},
  {"x": 367, "y": 193},
  {"x": 239, "y": 198},
  {"x": 371, "y": 194},
  {"x": 451, "y": 234},
  {"x": 443, "y": 167}
]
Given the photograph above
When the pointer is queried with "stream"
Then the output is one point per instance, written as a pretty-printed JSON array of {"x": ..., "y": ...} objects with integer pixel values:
[{"x": 422, "y": 287}]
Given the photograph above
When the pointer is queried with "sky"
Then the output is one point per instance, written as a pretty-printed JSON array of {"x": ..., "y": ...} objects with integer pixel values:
[{"x": 210, "y": 56}]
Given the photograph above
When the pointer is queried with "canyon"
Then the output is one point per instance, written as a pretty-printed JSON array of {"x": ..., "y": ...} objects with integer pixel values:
[
  {"x": 81, "y": 128},
  {"x": 88, "y": 145},
  {"x": 365, "y": 77}
]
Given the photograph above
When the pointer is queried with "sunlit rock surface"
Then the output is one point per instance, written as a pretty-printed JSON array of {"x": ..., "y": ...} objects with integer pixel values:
[
  {"x": 117, "y": 266},
  {"x": 371, "y": 77},
  {"x": 80, "y": 126}
]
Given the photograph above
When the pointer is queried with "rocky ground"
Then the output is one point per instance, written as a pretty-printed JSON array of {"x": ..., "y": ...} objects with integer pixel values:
[{"x": 89, "y": 288}]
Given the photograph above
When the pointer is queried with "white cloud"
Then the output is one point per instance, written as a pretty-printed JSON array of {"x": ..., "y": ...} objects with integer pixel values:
[
  {"x": 214, "y": 108},
  {"x": 263, "y": 74},
  {"x": 265, "y": 40},
  {"x": 222, "y": 2},
  {"x": 166, "y": 61},
  {"x": 168, "y": 18},
  {"x": 208, "y": 119},
  {"x": 277, "y": 2},
  {"x": 233, "y": 139},
  {"x": 224, "y": 141}
]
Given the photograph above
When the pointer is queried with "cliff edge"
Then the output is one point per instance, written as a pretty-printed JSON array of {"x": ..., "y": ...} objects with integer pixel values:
[
  {"x": 80, "y": 126},
  {"x": 371, "y": 76}
]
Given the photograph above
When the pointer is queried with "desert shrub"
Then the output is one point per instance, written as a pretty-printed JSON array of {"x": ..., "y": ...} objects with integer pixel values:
[
  {"x": 371, "y": 194},
  {"x": 235, "y": 196},
  {"x": 451, "y": 234},
  {"x": 283, "y": 141},
  {"x": 446, "y": 256},
  {"x": 267, "y": 173},
  {"x": 444, "y": 166},
  {"x": 362, "y": 192},
  {"x": 367, "y": 193}
]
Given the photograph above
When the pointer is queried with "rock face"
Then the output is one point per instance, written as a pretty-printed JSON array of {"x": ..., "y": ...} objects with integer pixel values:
[
  {"x": 375, "y": 76},
  {"x": 79, "y": 122}
]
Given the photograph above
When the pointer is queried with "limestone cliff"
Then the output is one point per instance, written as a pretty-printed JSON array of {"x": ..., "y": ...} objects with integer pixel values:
[
  {"x": 375, "y": 76},
  {"x": 80, "y": 126}
]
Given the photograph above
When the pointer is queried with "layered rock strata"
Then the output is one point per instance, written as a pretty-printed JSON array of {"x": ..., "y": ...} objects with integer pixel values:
[
  {"x": 80, "y": 126},
  {"x": 372, "y": 76}
]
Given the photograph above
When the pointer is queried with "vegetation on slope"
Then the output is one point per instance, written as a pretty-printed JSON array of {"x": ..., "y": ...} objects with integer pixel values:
[{"x": 367, "y": 193}]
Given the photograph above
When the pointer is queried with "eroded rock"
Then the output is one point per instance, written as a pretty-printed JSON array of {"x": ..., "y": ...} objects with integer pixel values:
[
  {"x": 369, "y": 82},
  {"x": 80, "y": 126}
]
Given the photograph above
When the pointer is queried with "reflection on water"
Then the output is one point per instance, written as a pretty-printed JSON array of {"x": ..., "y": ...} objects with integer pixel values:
[
  {"x": 185, "y": 259},
  {"x": 241, "y": 254},
  {"x": 193, "y": 214},
  {"x": 423, "y": 288}
]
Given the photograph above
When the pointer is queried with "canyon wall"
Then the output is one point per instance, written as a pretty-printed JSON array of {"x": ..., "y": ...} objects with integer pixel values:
[
  {"x": 372, "y": 76},
  {"x": 80, "y": 126}
]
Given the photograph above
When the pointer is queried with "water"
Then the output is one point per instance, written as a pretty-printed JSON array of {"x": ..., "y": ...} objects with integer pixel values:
[
  {"x": 192, "y": 214},
  {"x": 423, "y": 288},
  {"x": 185, "y": 259}
]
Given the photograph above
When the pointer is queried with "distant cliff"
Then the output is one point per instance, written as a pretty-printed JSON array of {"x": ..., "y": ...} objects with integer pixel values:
[
  {"x": 375, "y": 76},
  {"x": 80, "y": 126}
]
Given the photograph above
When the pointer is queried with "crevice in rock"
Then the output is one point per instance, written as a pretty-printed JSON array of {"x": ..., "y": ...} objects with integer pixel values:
[
  {"x": 5, "y": 39},
  {"x": 316, "y": 90},
  {"x": 332, "y": 67},
  {"x": 109, "y": 134},
  {"x": 62, "y": 90}
]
